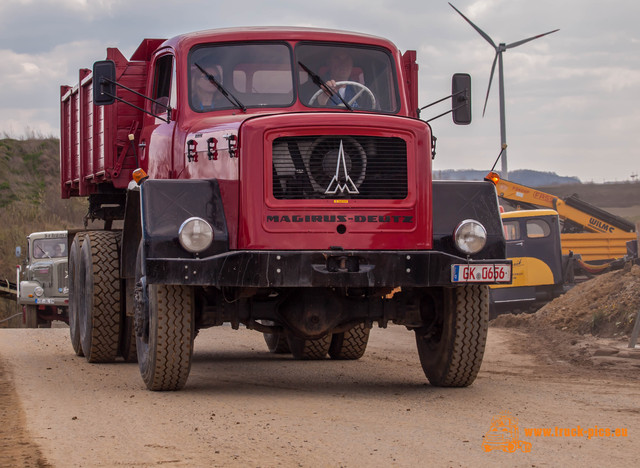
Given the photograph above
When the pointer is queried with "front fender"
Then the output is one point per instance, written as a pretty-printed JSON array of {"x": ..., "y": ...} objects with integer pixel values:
[{"x": 166, "y": 204}]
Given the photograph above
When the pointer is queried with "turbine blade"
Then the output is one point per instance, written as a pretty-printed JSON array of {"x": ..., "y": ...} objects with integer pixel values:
[
  {"x": 516, "y": 44},
  {"x": 480, "y": 31},
  {"x": 493, "y": 69}
]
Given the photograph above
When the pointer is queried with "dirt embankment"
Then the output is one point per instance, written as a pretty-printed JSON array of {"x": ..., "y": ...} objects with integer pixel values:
[{"x": 590, "y": 324}]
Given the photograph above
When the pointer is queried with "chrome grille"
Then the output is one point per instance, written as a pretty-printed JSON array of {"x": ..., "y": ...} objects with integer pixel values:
[
  {"x": 63, "y": 276},
  {"x": 342, "y": 166}
]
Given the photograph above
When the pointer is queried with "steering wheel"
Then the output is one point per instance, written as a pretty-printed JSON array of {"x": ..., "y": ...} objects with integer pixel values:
[{"x": 362, "y": 89}]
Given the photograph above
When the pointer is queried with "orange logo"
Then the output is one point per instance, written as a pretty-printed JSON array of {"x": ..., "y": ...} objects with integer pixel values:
[{"x": 503, "y": 435}]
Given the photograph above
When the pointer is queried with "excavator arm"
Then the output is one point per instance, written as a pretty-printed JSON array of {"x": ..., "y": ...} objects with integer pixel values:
[{"x": 577, "y": 215}]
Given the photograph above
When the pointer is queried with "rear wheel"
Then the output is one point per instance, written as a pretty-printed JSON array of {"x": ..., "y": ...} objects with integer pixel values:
[
  {"x": 350, "y": 344},
  {"x": 309, "y": 349},
  {"x": 100, "y": 296},
  {"x": 74, "y": 297},
  {"x": 451, "y": 350},
  {"x": 164, "y": 332}
]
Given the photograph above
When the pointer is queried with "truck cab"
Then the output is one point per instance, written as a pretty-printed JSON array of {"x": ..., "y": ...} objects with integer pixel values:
[{"x": 43, "y": 288}]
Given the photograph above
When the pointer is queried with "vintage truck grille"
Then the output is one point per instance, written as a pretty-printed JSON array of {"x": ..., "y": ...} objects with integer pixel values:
[
  {"x": 343, "y": 166},
  {"x": 42, "y": 274},
  {"x": 63, "y": 276}
]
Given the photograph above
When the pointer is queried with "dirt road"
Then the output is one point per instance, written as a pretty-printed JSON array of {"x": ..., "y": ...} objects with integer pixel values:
[{"x": 245, "y": 407}]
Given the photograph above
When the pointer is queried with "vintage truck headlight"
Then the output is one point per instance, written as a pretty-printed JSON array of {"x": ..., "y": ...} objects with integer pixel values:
[
  {"x": 195, "y": 235},
  {"x": 38, "y": 291},
  {"x": 470, "y": 236}
]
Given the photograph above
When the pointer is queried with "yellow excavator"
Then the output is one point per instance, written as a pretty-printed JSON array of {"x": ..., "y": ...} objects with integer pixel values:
[{"x": 551, "y": 241}]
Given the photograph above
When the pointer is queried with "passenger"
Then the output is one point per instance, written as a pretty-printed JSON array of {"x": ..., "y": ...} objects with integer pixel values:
[{"x": 205, "y": 96}]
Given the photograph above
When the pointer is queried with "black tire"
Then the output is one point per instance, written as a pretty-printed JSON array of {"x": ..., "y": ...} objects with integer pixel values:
[
  {"x": 165, "y": 332},
  {"x": 276, "y": 342},
  {"x": 451, "y": 352},
  {"x": 309, "y": 349},
  {"x": 100, "y": 296},
  {"x": 350, "y": 344},
  {"x": 30, "y": 316},
  {"x": 74, "y": 298}
]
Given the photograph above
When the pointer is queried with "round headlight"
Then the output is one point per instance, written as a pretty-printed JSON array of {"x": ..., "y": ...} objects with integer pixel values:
[
  {"x": 38, "y": 291},
  {"x": 470, "y": 236},
  {"x": 195, "y": 235}
]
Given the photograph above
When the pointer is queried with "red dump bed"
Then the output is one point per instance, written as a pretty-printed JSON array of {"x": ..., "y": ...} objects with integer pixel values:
[{"x": 94, "y": 144}]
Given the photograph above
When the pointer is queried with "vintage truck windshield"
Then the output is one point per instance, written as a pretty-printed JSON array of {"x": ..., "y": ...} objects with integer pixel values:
[
  {"x": 361, "y": 78},
  {"x": 49, "y": 248},
  {"x": 262, "y": 75}
]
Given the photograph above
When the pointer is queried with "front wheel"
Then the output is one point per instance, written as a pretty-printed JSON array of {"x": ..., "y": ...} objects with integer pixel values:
[
  {"x": 451, "y": 350},
  {"x": 276, "y": 342},
  {"x": 166, "y": 346},
  {"x": 164, "y": 332}
]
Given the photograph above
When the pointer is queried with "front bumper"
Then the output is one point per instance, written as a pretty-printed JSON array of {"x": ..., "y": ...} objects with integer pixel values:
[
  {"x": 48, "y": 301},
  {"x": 331, "y": 268}
]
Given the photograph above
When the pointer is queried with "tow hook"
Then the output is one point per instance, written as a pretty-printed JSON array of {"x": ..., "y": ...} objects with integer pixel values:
[{"x": 343, "y": 263}]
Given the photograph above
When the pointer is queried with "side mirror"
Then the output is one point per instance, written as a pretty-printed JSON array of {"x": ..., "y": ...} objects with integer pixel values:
[
  {"x": 104, "y": 82},
  {"x": 18, "y": 252},
  {"x": 461, "y": 98}
]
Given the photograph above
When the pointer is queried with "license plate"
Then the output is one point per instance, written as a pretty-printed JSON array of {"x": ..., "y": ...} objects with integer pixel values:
[
  {"x": 44, "y": 301},
  {"x": 481, "y": 273}
]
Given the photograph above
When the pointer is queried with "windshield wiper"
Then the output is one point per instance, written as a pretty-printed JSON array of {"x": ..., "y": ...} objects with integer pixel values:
[
  {"x": 230, "y": 97},
  {"x": 43, "y": 252},
  {"x": 322, "y": 85}
]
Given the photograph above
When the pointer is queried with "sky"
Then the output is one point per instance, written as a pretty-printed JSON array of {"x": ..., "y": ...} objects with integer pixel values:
[{"x": 572, "y": 98}]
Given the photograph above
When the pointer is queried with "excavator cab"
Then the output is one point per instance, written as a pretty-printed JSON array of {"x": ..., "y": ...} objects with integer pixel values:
[{"x": 533, "y": 244}]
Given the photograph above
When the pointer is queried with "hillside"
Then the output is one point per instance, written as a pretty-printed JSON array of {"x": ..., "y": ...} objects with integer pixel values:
[
  {"x": 521, "y": 176},
  {"x": 30, "y": 196}
]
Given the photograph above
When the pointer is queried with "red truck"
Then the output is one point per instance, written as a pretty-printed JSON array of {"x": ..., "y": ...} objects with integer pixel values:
[{"x": 278, "y": 178}]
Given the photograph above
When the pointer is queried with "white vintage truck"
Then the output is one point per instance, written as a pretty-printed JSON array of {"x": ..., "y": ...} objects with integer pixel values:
[{"x": 43, "y": 288}]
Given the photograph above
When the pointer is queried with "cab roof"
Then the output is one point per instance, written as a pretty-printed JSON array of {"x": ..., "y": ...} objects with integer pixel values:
[{"x": 272, "y": 33}]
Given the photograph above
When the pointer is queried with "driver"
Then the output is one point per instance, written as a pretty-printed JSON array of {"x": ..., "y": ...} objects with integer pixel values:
[{"x": 340, "y": 68}]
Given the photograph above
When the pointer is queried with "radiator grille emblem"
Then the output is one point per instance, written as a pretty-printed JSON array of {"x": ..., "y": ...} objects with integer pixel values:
[{"x": 341, "y": 180}]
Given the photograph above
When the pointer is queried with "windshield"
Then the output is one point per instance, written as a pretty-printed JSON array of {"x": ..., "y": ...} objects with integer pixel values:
[
  {"x": 346, "y": 76},
  {"x": 251, "y": 75},
  {"x": 49, "y": 248}
]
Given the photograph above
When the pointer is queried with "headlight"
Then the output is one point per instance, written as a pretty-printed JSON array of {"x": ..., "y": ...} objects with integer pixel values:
[
  {"x": 195, "y": 235},
  {"x": 38, "y": 291},
  {"x": 470, "y": 236}
]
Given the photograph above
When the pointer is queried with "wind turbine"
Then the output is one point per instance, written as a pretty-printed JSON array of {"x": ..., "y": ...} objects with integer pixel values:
[{"x": 500, "y": 48}]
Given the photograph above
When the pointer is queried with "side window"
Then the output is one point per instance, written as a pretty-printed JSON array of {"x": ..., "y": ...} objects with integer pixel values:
[
  {"x": 511, "y": 230},
  {"x": 164, "y": 84},
  {"x": 537, "y": 228}
]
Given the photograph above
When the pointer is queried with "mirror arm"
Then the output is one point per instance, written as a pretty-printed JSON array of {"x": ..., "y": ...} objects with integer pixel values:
[
  {"x": 167, "y": 120},
  {"x": 445, "y": 113}
]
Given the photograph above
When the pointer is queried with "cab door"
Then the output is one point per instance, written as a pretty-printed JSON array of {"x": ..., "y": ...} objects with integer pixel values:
[{"x": 156, "y": 138}]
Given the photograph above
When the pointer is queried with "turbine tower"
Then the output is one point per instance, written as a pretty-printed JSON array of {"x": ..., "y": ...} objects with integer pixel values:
[{"x": 500, "y": 48}]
